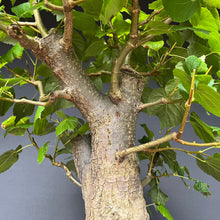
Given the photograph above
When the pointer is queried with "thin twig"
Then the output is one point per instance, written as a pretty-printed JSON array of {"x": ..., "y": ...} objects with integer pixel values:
[
  {"x": 143, "y": 147},
  {"x": 156, "y": 12},
  {"x": 187, "y": 106},
  {"x": 23, "y": 100},
  {"x": 52, "y": 6},
  {"x": 177, "y": 149},
  {"x": 23, "y": 23},
  {"x": 115, "y": 36},
  {"x": 99, "y": 73},
  {"x": 39, "y": 21},
  {"x": 197, "y": 144},
  {"x": 57, "y": 164},
  {"x": 158, "y": 102},
  {"x": 73, "y": 3},
  {"x": 68, "y": 173},
  {"x": 156, "y": 69}
]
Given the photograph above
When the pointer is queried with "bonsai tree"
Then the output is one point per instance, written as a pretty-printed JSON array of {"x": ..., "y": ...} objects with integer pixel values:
[{"x": 96, "y": 43}]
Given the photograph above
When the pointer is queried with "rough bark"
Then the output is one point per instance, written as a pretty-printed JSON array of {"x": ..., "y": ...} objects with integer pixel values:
[{"x": 111, "y": 189}]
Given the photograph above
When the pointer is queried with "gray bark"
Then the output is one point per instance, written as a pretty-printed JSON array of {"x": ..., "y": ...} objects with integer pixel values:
[{"x": 111, "y": 188}]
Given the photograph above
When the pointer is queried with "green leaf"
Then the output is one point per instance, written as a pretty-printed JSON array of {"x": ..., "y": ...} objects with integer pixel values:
[
  {"x": 208, "y": 98},
  {"x": 155, "y": 45},
  {"x": 204, "y": 79},
  {"x": 71, "y": 165},
  {"x": 98, "y": 83},
  {"x": 202, "y": 130},
  {"x": 61, "y": 104},
  {"x": 51, "y": 83},
  {"x": 85, "y": 23},
  {"x": 210, "y": 166},
  {"x": 121, "y": 26},
  {"x": 207, "y": 22},
  {"x": 158, "y": 28},
  {"x": 158, "y": 197},
  {"x": 185, "y": 79},
  {"x": 67, "y": 124},
  {"x": 43, "y": 70},
  {"x": 61, "y": 115},
  {"x": 15, "y": 52},
  {"x": 213, "y": 41},
  {"x": 170, "y": 115},
  {"x": 18, "y": 129},
  {"x": 42, "y": 152},
  {"x": 213, "y": 3},
  {"x": 193, "y": 62},
  {"x": 4, "y": 105},
  {"x": 169, "y": 157},
  {"x": 181, "y": 10},
  {"x": 78, "y": 43},
  {"x": 164, "y": 212},
  {"x": 22, "y": 10},
  {"x": 110, "y": 8},
  {"x": 40, "y": 125},
  {"x": 83, "y": 129},
  {"x": 149, "y": 133},
  {"x": 202, "y": 187},
  {"x": 155, "y": 5},
  {"x": 13, "y": 2},
  {"x": 181, "y": 28},
  {"x": 40, "y": 109},
  {"x": 66, "y": 141},
  {"x": 95, "y": 48},
  {"x": 11, "y": 82},
  {"x": 92, "y": 7},
  {"x": 142, "y": 155},
  {"x": 7, "y": 159}
]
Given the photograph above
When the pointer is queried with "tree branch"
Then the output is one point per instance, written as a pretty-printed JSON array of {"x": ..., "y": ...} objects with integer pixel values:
[
  {"x": 39, "y": 22},
  {"x": 52, "y": 6},
  {"x": 120, "y": 155},
  {"x": 24, "y": 23},
  {"x": 69, "y": 71},
  {"x": 16, "y": 32},
  {"x": 115, "y": 92},
  {"x": 44, "y": 100},
  {"x": 23, "y": 100},
  {"x": 158, "y": 102},
  {"x": 73, "y": 3},
  {"x": 66, "y": 41}
]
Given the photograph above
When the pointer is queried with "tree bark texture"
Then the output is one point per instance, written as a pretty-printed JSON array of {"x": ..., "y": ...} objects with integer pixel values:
[{"x": 111, "y": 188}]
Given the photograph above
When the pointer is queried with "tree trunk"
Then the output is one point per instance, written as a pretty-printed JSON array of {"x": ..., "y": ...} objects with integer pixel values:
[{"x": 111, "y": 188}]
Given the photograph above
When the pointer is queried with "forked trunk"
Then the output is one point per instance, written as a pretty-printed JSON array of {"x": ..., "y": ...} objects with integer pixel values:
[{"x": 111, "y": 189}]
